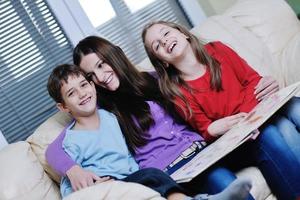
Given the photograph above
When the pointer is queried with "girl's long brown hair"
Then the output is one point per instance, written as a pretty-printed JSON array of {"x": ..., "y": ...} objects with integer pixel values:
[
  {"x": 170, "y": 77},
  {"x": 128, "y": 102}
]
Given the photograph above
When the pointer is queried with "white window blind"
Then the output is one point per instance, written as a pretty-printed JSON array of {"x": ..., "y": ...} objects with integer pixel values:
[
  {"x": 31, "y": 45},
  {"x": 130, "y": 16}
]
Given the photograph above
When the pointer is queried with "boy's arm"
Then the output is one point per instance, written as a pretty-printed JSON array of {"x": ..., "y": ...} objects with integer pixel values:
[{"x": 57, "y": 158}]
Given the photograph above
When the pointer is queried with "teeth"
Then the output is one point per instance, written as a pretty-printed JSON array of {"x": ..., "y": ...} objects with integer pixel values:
[
  {"x": 172, "y": 46},
  {"x": 108, "y": 79},
  {"x": 85, "y": 101}
]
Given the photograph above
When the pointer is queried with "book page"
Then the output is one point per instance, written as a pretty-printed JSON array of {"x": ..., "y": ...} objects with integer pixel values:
[{"x": 243, "y": 131}]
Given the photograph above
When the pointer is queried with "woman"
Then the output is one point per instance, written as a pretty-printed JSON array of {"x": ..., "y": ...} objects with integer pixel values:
[
  {"x": 213, "y": 88},
  {"x": 153, "y": 136}
]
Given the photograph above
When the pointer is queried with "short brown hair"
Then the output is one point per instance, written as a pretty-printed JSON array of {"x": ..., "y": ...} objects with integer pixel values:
[{"x": 61, "y": 74}]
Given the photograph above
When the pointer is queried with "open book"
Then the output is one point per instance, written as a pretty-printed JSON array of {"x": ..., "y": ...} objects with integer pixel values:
[{"x": 245, "y": 130}]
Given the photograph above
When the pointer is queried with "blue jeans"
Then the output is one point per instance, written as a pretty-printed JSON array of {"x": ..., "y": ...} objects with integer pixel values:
[
  {"x": 156, "y": 180},
  {"x": 287, "y": 120},
  {"x": 269, "y": 152}
]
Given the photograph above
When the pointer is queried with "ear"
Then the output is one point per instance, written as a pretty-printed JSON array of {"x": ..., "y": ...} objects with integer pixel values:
[{"x": 62, "y": 107}]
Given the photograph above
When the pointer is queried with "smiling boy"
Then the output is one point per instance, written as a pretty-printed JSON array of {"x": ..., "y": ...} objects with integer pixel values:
[{"x": 94, "y": 139}]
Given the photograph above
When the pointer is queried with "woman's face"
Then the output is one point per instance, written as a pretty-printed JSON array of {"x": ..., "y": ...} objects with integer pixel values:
[
  {"x": 166, "y": 43},
  {"x": 100, "y": 72}
]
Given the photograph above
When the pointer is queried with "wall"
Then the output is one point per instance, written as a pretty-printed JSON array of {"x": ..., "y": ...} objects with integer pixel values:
[
  {"x": 3, "y": 141},
  {"x": 213, "y": 7}
]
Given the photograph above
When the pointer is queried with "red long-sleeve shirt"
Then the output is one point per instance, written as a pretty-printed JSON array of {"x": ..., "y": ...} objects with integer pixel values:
[{"x": 238, "y": 82}]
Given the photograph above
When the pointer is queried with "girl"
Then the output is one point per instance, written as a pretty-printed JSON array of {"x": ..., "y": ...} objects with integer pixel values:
[
  {"x": 213, "y": 88},
  {"x": 154, "y": 137}
]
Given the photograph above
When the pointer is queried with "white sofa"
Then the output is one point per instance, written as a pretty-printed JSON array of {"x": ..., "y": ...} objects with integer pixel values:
[{"x": 266, "y": 33}]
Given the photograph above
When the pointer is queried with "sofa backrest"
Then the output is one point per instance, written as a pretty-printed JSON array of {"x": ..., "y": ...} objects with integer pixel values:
[{"x": 266, "y": 33}]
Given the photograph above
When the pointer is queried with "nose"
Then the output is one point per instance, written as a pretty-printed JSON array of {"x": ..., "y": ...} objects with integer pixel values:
[
  {"x": 164, "y": 41},
  {"x": 98, "y": 76},
  {"x": 81, "y": 93}
]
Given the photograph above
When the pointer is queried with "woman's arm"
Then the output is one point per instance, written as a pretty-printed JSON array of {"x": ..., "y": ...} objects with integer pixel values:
[
  {"x": 62, "y": 163},
  {"x": 57, "y": 158}
]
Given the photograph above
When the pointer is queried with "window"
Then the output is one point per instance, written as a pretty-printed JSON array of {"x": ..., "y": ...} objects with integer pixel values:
[
  {"x": 31, "y": 44},
  {"x": 121, "y": 21}
]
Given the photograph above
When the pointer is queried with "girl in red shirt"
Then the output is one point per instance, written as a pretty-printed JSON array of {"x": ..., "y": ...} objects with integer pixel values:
[{"x": 213, "y": 89}]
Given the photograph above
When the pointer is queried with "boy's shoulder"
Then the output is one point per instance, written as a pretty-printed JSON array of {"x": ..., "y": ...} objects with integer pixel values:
[{"x": 106, "y": 114}]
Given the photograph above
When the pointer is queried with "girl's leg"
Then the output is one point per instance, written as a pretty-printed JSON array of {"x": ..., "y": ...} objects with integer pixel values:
[
  {"x": 289, "y": 132},
  {"x": 219, "y": 178},
  {"x": 156, "y": 180},
  {"x": 277, "y": 163},
  {"x": 291, "y": 110},
  {"x": 167, "y": 187},
  {"x": 287, "y": 120}
]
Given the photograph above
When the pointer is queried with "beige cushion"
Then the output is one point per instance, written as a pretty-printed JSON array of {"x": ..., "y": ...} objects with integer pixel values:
[
  {"x": 225, "y": 29},
  {"x": 22, "y": 176},
  {"x": 290, "y": 61},
  {"x": 275, "y": 24},
  {"x": 115, "y": 190},
  {"x": 44, "y": 135}
]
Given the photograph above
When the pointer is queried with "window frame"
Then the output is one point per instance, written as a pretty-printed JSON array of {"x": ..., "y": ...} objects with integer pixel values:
[{"x": 77, "y": 25}]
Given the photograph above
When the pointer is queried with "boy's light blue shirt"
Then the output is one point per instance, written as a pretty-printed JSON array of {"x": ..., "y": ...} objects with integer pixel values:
[{"x": 103, "y": 151}]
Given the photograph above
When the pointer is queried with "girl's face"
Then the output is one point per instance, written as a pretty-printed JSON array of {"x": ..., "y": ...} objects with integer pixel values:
[
  {"x": 167, "y": 43},
  {"x": 99, "y": 72}
]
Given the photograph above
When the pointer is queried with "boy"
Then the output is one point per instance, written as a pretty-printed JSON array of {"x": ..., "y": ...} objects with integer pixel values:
[{"x": 94, "y": 140}]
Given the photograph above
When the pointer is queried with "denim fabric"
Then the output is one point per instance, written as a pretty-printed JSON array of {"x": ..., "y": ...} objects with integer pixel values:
[
  {"x": 287, "y": 121},
  {"x": 269, "y": 152},
  {"x": 155, "y": 179}
]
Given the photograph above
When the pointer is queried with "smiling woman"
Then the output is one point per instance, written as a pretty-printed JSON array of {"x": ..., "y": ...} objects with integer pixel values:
[{"x": 100, "y": 72}]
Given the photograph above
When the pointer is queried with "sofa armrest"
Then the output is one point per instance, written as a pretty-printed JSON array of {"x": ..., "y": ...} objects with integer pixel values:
[{"x": 22, "y": 176}]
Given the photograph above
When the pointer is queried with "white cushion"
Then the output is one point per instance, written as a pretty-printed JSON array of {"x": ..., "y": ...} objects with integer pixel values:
[
  {"x": 115, "y": 190},
  {"x": 44, "y": 135},
  {"x": 22, "y": 176}
]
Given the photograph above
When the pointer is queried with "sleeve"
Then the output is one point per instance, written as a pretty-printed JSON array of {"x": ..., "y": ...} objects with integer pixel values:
[
  {"x": 57, "y": 158},
  {"x": 247, "y": 76},
  {"x": 199, "y": 120}
]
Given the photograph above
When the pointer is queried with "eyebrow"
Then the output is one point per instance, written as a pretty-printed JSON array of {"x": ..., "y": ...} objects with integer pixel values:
[
  {"x": 72, "y": 88},
  {"x": 69, "y": 90}
]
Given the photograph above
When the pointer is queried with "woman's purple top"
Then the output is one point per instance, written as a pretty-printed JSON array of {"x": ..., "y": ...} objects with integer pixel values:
[{"x": 166, "y": 140}]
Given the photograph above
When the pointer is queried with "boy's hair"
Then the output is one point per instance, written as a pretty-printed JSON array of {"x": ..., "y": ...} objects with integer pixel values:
[{"x": 59, "y": 75}]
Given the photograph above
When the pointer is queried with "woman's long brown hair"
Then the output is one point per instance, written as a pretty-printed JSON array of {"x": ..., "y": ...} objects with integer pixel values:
[
  {"x": 170, "y": 77},
  {"x": 128, "y": 102}
]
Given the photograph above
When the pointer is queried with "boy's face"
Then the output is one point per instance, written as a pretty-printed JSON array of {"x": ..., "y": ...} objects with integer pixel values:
[{"x": 79, "y": 97}]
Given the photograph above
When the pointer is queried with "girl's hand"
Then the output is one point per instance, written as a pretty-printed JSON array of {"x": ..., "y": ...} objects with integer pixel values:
[
  {"x": 265, "y": 87},
  {"x": 81, "y": 178},
  {"x": 220, "y": 126}
]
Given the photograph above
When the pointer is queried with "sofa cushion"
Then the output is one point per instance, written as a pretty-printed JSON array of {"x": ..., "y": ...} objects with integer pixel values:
[
  {"x": 275, "y": 24},
  {"x": 223, "y": 28},
  {"x": 44, "y": 135},
  {"x": 22, "y": 176},
  {"x": 115, "y": 190}
]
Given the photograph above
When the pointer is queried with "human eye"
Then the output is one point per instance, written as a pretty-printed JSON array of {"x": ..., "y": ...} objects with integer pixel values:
[
  {"x": 100, "y": 64},
  {"x": 156, "y": 46},
  {"x": 166, "y": 33},
  {"x": 70, "y": 94},
  {"x": 84, "y": 84}
]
